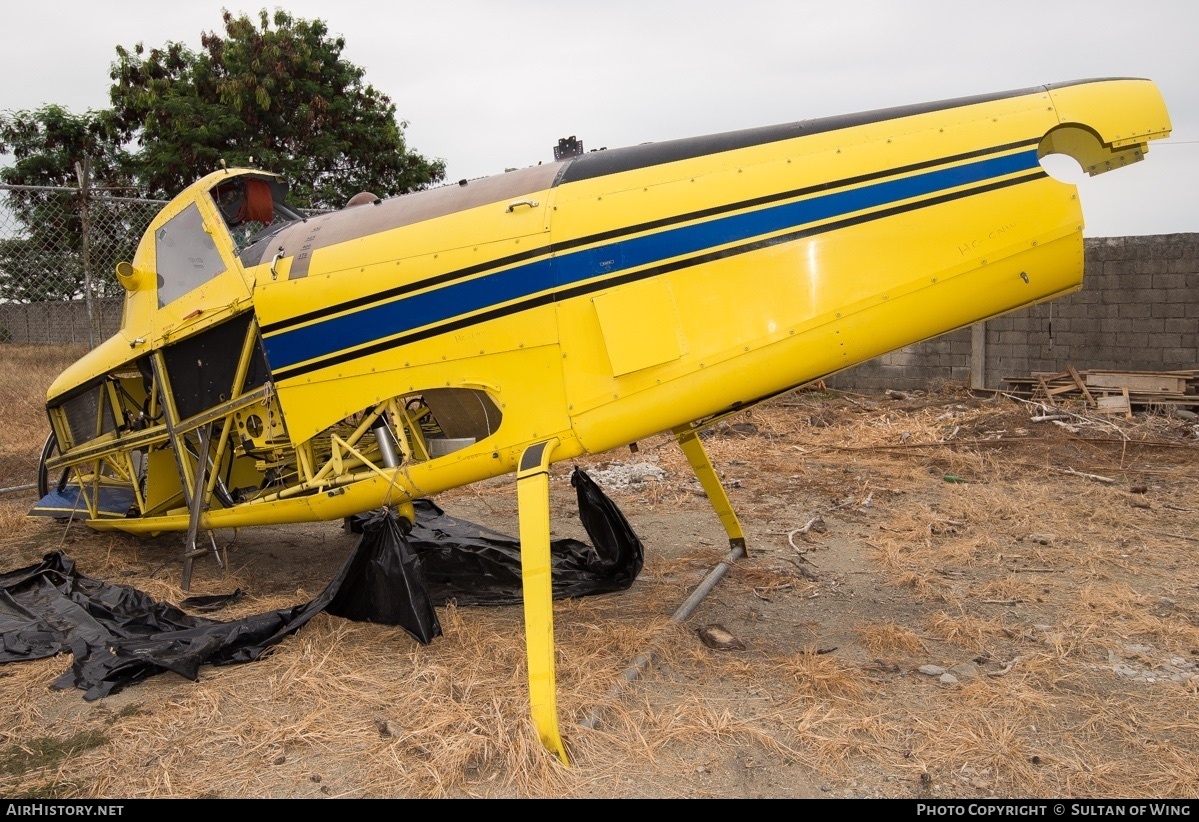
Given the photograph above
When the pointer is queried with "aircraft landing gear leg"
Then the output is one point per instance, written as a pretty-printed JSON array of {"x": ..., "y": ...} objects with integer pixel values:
[
  {"x": 533, "y": 501},
  {"x": 195, "y": 506},
  {"x": 693, "y": 449}
]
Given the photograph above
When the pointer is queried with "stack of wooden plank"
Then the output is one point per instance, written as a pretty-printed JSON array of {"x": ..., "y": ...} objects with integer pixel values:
[{"x": 1115, "y": 392}]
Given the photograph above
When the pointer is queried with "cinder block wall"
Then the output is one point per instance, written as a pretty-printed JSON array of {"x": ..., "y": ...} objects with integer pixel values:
[
  {"x": 57, "y": 323},
  {"x": 1138, "y": 310}
]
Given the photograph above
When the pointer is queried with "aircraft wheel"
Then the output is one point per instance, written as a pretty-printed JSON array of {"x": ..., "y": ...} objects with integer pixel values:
[{"x": 49, "y": 450}]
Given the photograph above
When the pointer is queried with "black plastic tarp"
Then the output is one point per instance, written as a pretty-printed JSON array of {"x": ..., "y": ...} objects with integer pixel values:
[
  {"x": 484, "y": 566},
  {"x": 383, "y": 581},
  {"x": 119, "y": 635}
]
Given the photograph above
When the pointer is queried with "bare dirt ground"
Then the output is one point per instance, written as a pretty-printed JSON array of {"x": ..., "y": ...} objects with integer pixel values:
[{"x": 942, "y": 599}]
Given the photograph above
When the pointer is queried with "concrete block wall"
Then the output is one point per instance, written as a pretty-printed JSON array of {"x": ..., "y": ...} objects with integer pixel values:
[
  {"x": 57, "y": 323},
  {"x": 1138, "y": 310}
]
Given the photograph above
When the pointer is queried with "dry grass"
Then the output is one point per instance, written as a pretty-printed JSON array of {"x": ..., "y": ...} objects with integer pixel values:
[
  {"x": 28, "y": 370},
  {"x": 886, "y": 638},
  {"x": 964, "y": 630},
  {"x": 1070, "y": 611}
]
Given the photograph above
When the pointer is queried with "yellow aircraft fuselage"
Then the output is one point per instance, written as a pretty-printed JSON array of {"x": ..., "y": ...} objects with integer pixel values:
[
  {"x": 621, "y": 293},
  {"x": 398, "y": 348}
]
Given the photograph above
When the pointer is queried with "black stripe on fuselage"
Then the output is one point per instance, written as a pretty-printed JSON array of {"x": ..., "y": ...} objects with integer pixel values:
[
  {"x": 503, "y": 262},
  {"x": 641, "y": 274},
  {"x": 784, "y": 195},
  {"x": 407, "y": 288}
]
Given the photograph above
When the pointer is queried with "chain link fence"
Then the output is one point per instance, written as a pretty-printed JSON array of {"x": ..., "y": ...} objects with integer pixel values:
[{"x": 59, "y": 297}]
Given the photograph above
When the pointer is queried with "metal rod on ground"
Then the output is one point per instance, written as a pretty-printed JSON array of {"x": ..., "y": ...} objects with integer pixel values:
[
  {"x": 644, "y": 659},
  {"x": 18, "y": 488}
]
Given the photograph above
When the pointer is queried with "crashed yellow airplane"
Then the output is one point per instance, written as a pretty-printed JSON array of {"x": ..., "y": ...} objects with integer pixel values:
[{"x": 272, "y": 368}]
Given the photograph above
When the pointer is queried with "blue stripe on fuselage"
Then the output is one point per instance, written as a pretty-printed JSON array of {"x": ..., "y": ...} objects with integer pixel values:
[
  {"x": 288, "y": 348},
  {"x": 368, "y": 324}
]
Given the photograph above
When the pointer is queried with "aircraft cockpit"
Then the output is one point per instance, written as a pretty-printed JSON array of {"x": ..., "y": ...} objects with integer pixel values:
[{"x": 254, "y": 210}]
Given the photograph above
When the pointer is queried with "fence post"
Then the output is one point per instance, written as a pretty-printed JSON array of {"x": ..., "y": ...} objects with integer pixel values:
[
  {"x": 978, "y": 355},
  {"x": 82, "y": 170}
]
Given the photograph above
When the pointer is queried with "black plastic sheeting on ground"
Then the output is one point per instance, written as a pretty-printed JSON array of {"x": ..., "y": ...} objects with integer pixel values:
[
  {"x": 485, "y": 567},
  {"x": 119, "y": 636}
]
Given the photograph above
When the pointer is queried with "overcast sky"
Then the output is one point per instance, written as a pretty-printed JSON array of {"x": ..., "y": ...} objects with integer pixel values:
[{"x": 491, "y": 85}]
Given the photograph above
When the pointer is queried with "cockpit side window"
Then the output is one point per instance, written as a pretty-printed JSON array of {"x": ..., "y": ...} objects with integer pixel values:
[
  {"x": 245, "y": 199},
  {"x": 186, "y": 256},
  {"x": 253, "y": 210}
]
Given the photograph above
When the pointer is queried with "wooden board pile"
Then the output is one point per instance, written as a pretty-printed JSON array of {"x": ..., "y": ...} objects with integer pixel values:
[{"x": 1111, "y": 392}]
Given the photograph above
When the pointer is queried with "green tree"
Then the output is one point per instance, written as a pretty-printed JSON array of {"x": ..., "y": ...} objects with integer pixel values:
[
  {"x": 45, "y": 145},
  {"x": 277, "y": 94},
  {"x": 41, "y": 256}
]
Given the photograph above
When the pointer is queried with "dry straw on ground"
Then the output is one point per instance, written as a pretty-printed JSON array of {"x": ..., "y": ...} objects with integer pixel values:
[
  {"x": 943, "y": 598},
  {"x": 28, "y": 370}
]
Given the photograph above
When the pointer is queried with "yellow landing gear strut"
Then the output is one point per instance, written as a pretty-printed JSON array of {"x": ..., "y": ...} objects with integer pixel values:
[
  {"x": 693, "y": 449},
  {"x": 533, "y": 501}
]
